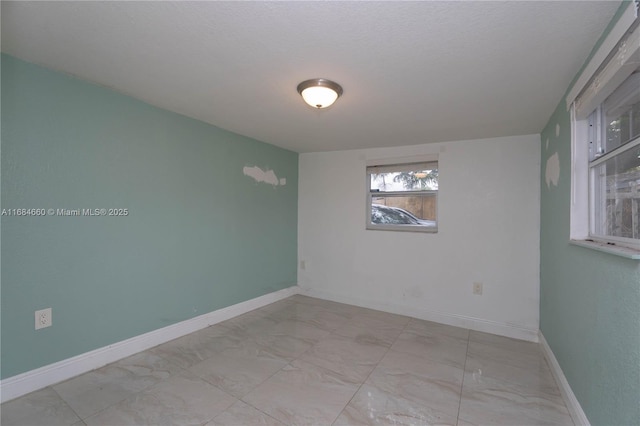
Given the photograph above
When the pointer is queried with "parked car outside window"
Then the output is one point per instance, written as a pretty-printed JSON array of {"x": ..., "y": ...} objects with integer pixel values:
[{"x": 396, "y": 216}]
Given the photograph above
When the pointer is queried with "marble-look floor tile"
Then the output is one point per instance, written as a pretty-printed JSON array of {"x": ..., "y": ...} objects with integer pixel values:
[
  {"x": 276, "y": 306},
  {"x": 382, "y": 334},
  {"x": 250, "y": 324},
  {"x": 415, "y": 379},
  {"x": 314, "y": 316},
  {"x": 43, "y": 407},
  {"x": 298, "y": 329},
  {"x": 538, "y": 381},
  {"x": 370, "y": 318},
  {"x": 528, "y": 371},
  {"x": 303, "y": 394},
  {"x": 296, "y": 311},
  {"x": 516, "y": 358},
  {"x": 241, "y": 414},
  {"x": 196, "y": 347},
  {"x": 493, "y": 402},
  {"x": 528, "y": 381},
  {"x": 506, "y": 343},
  {"x": 516, "y": 353},
  {"x": 94, "y": 391},
  {"x": 183, "y": 399},
  {"x": 325, "y": 320},
  {"x": 427, "y": 328},
  {"x": 239, "y": 370},
  {"x": 436, "y": 347},
  {"x": 354, "y": 358},
  {"x": 372, "y": 406},
  {"x": 283, "y": 345},
  {"x": 381, "y": 326}
]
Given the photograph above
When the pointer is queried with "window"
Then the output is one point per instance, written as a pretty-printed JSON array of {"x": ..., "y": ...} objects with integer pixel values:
[
  {"x": 605, "y": 115},
  {"x": 614, "y": 166},
  {"x": 403, "y": 197}
]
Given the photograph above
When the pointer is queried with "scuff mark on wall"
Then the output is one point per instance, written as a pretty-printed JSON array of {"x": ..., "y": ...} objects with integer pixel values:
[
  {"x": 266, "y": 176},
  {"x": 552, "y": 170}
]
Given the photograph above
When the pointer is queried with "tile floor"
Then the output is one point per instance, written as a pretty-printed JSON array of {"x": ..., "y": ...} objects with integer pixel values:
[{"x": 305, "y": 361}]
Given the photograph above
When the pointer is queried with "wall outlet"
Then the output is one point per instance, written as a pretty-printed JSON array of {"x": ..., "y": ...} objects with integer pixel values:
[
  {"x": 43, "y": 318},
  {"x": 477, "y": 289}
]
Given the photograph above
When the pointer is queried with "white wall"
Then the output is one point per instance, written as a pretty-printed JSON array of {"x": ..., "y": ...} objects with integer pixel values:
[{"x": 488, "y": 231}]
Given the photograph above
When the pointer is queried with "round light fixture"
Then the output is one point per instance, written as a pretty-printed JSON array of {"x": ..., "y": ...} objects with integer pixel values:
[{"x": 319, "y": 92}]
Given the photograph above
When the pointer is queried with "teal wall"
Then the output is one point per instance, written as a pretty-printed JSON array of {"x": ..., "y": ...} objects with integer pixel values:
[
  {"x": 200, "y": 234},
  {"x": 589, "y": 301}
]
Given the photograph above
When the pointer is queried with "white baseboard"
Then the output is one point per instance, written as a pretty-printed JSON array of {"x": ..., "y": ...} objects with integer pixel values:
[
  {"x": 477, "y": 324},
  {"x": 30, "y": 381},
  {"x": 575, "y": 410}
]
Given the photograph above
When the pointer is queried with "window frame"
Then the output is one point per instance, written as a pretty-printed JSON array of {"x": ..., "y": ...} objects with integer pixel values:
[
  {"x": 594, "y": 183},
  {"x": 400, "y": 164},
  {"x": 615, "y": 60}
]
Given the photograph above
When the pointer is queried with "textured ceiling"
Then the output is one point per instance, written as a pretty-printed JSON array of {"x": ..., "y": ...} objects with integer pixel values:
[{"x": 412, "y": 72}]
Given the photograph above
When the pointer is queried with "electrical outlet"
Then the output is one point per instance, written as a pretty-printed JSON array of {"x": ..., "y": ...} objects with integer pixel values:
[
  {"x": 43, "y": 318},
  {"x": 477, "y": 289}
]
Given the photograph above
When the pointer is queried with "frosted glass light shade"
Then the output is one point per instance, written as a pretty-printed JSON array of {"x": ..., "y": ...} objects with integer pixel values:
[{"x": 319, "y": 92}]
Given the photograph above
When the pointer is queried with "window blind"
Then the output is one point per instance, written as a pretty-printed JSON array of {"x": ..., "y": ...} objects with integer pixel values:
[
  {"x": 617, "y": 67},
  {"x": 407, "y": 167}
]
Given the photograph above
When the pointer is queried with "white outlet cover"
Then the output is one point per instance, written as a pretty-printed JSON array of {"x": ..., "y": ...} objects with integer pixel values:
[{"x": 43, "y": 318}]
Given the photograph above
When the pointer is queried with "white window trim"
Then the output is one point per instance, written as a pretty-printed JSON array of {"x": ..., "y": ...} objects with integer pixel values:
[
  {"x": 603, "y": 74},
  {"x": 579, "y": 219},
  {"x": 428, "y": 158}
]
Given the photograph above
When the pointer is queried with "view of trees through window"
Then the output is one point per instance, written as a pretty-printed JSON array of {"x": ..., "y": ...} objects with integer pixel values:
[{"x": 405, "y": 181}]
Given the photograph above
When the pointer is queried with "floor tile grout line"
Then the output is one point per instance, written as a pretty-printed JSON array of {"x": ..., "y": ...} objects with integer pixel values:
[
  {"x": 371, "y": 372},
  {"x": 252, "y": 406},
  {"x": 287, "y": 318},
  {"x": 332, "y": 332},
  {"x": 179, "y": 370},
  {"x": 67, "y": 404},
  {"x": 241, "y": 398},
  {"x": 288, "y": 364},
  {"x": 464, "y": 373}
]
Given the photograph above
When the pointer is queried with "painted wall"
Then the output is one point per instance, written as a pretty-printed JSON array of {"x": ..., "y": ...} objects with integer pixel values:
[
  {"x": 589, "y": 301},
  {"x": 488, "y": 232},
  {"x": 200, "y": 234}
]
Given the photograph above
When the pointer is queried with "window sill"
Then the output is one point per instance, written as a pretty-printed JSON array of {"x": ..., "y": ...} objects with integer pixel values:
[
  {"x": 626, "y": 252},
  {"x": 403, "y": 228}
]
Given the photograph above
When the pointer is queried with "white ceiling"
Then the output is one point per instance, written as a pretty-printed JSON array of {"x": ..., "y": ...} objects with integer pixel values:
[{"x": 412, "y": 72}]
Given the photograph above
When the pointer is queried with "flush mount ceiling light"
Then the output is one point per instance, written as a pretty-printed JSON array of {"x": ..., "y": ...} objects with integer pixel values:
[{"x": 319, "y": 92}]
